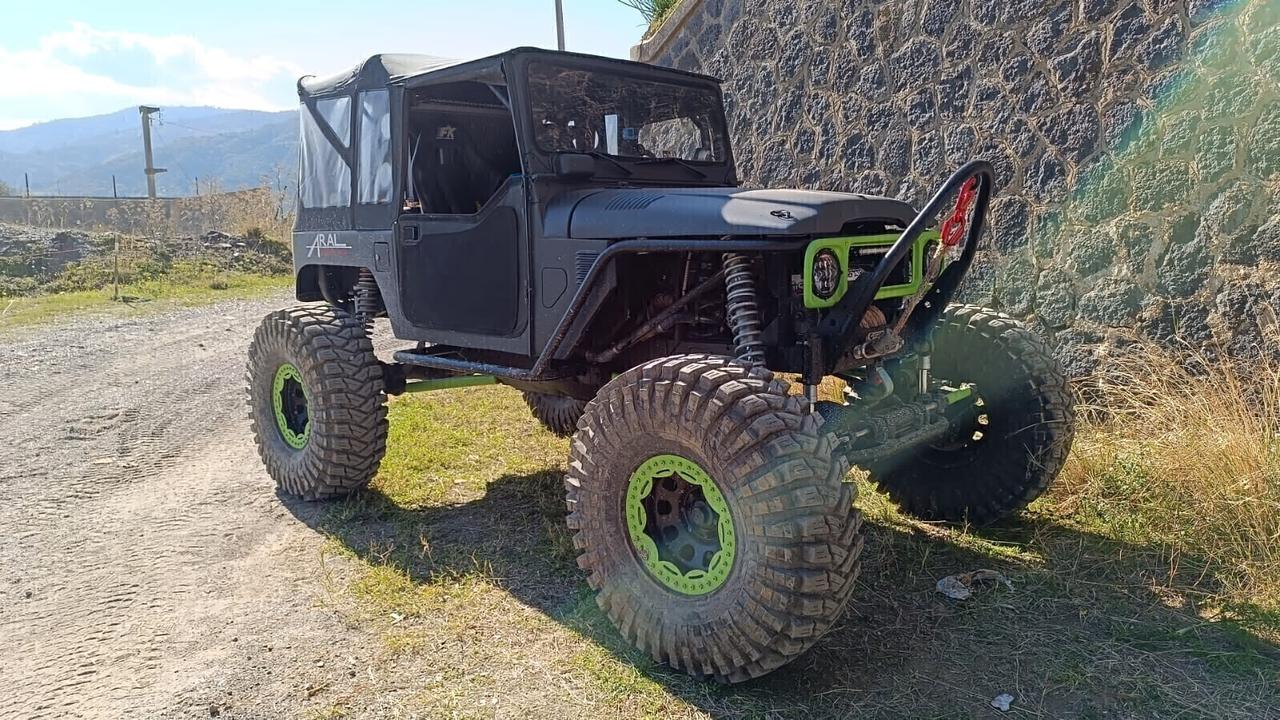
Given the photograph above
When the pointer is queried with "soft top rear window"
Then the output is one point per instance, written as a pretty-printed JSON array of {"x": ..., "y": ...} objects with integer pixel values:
[{"x": 325, "y": 177}]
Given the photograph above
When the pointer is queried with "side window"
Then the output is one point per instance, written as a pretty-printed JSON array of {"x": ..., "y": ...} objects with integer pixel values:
[
  {"x": 325, "y": 178},
  {"x": 374, "y": 154},
  {"x": 461, "y": 147}
]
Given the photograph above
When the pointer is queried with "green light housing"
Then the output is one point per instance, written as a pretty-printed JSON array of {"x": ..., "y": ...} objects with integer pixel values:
[{"x": 827, "y": 259}]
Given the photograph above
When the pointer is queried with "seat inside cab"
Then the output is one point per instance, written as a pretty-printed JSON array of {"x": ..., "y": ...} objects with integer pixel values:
[{"x": 461, "y": 146}]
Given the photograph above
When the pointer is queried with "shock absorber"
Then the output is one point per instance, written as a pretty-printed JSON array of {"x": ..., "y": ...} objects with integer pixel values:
[
  {"x": 741, "y": 309},
  {"x": 708, "y": 310},
  {"x": 368, "y": 302}
]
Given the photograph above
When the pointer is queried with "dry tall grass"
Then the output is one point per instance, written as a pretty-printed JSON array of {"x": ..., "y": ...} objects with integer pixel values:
[
  {"x": 236, "y": 212},
  {"x": 1184, "y": 452}
]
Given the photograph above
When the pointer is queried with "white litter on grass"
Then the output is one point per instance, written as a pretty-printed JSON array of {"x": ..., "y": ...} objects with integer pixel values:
[
  {"x": 1002, "y": 702},
  {"x": 960, "y": 587}
]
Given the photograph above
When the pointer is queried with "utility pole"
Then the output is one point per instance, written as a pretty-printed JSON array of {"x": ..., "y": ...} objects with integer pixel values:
[
  {"x": 145, "y": 111},
  {"x": 560, "y": 25},
  {"x": 114, "y": 193},
  {"x": 26, "y": 183}
]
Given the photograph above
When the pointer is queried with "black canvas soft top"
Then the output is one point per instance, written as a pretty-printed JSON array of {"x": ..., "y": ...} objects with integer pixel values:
[
  {"x": 385, "y": 69},
  {"x": 376, "y": 72}
]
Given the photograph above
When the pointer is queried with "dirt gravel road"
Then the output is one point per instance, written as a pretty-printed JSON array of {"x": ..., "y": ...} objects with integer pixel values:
[{"x": 148, "y": 568}]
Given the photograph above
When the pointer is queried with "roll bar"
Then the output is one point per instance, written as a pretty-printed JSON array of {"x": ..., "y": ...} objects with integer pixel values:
[{"x": 856, "y": 303}]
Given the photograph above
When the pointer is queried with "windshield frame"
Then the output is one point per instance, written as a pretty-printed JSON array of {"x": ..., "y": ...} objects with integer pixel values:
[{"x": 540, "y": 161}]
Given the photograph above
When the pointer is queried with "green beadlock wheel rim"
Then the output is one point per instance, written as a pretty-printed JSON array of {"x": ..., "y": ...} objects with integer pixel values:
[
  {"x": 292, "y": 405},
  {"x": 679, "y": 524}
]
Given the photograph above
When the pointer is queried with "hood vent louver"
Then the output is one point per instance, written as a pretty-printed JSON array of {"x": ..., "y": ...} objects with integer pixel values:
[{"x": 633, "y": 201}]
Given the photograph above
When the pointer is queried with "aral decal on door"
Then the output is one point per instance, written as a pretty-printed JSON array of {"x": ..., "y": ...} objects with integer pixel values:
[{"x": 327, "y": 243}]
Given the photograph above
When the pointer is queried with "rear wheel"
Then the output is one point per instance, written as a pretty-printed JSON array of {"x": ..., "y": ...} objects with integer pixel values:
[
  {"x": 316, "y": 401},
  {"x": 1008, "y": 445},
  {"x": 711, "y": 516},
  {"x": 557, "y": 413}
]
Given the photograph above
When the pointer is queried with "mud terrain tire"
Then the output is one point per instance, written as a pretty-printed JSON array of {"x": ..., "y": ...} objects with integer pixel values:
[
  {"x": 557, "y": 413},
  {"x": 316, "y": 401},
  {"x": 1030, "y": 423},
  {"x": 796, "y": 533}
]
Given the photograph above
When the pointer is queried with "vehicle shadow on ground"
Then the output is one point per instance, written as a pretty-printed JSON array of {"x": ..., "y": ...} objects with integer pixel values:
[{"x": 1089, "y": 628}]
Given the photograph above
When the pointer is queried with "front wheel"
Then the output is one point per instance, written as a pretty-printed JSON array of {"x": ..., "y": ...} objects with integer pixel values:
[
  {"x": 1007, "y": 445},
  {"x": 316, "y": 401},
  {"x": 557, "y": 413},
  {"x": 711, "y": 516}
]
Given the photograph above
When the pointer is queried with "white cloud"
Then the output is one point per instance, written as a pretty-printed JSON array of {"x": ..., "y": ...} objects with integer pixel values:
[
  {"x": 33, "y": 73},
  {"x": 69, "y": 70},
  {"x": 216, "y": 64}
]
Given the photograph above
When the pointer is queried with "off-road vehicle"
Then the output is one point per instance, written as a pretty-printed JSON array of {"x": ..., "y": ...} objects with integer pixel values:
[{"x": 573, "y": 227}]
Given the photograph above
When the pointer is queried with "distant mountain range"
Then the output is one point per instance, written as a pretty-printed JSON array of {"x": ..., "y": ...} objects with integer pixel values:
[{"x": 224, "y": 149}]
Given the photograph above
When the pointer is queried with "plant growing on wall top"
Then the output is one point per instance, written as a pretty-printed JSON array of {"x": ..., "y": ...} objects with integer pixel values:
[{"x": 653, "y": 10}]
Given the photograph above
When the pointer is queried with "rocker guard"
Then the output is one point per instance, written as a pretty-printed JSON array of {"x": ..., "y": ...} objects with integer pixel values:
[{"x": 856, "y": 301}]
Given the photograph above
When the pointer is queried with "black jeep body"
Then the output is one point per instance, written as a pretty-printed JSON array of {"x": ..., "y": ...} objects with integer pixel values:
[{"x": 530, "y": 214}]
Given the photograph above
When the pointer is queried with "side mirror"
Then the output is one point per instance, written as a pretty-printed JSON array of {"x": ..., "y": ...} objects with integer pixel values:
[{"x": 575, "y": 166}]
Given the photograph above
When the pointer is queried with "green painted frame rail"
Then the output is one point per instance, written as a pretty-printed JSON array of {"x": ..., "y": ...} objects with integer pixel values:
[{"x": 449, "y": 383}]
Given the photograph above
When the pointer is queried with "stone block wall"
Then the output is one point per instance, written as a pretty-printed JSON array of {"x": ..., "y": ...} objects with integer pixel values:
[{"x": 1137, "y": 142}]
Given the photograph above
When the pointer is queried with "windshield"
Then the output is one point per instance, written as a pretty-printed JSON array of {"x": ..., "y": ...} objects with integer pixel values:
[{"x": 594, "y": 111}]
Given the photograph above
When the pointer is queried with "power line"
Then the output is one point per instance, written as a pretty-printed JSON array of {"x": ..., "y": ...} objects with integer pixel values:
[{"x": 164, "y": 122}]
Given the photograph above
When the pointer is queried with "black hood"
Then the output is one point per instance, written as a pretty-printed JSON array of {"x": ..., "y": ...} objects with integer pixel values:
[{"x": 697, "y": 212}]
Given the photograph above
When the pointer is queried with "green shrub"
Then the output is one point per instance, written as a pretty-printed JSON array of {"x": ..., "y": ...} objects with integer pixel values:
[
  {"x": 653, "y": 10},
  {"x": 12, "y": 286},
  {"x": 87, "y": 274}
]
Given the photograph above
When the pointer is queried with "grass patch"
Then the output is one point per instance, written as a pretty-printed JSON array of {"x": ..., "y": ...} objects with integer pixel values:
[
  {"x": 1144, "y": 584},
  {"x": 454, "y": 442},
  {"x": 180, "y": 290}
]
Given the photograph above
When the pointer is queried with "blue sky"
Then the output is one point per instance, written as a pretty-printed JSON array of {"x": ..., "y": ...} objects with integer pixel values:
[{"x": 70, "y": 58}]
